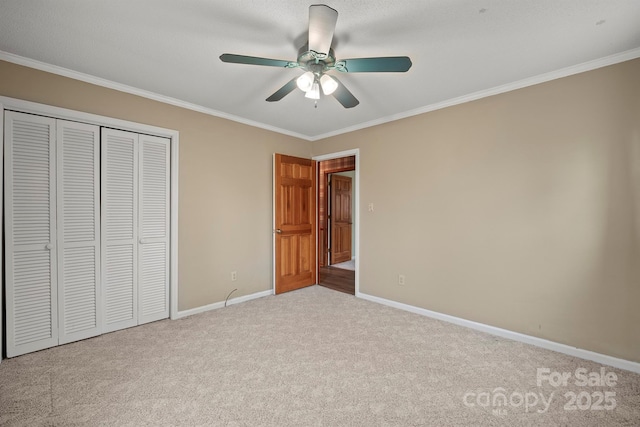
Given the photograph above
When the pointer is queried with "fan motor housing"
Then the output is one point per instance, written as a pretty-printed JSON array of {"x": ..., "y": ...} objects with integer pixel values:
[{"x": 310, "y": 60}]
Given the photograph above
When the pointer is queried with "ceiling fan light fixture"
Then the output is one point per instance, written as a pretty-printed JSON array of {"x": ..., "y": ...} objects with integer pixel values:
[
  {"x": 305, "y": 81},
  {"x": 317, "y": 57},
  {"x": 328, "y": 84},
  {"x": 314, "y": 92}
]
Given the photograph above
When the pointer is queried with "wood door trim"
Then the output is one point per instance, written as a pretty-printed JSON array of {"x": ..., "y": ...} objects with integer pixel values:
[
  {"x": 323, "y": 237},
  {"x": 355, "y": 152}
]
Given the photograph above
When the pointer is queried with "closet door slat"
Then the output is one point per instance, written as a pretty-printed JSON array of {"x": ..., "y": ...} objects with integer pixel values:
[
  {"x": 78, "y": 156},
  {"x": 154, "y": 229},
  {"x": 30, "y": 223},
  {"x": 119, "y": 230}
]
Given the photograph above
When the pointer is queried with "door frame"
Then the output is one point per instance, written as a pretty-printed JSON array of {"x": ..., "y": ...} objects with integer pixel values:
[
  {"x": 356, "y": 213},
  {"x": 7, "y": 103}
]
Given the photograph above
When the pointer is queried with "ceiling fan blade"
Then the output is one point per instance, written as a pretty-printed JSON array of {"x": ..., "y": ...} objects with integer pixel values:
[
  {"x": 343, "y": 95},
  {"x": 322, "y": 24},
  {"x": 253, "y": 60},
  {"x": 398, "y": 64},
  {"x": 283, "y": 91}
]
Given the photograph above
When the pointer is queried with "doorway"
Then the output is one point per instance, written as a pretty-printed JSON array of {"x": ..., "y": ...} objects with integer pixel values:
[{"x": 338, "y": 223}]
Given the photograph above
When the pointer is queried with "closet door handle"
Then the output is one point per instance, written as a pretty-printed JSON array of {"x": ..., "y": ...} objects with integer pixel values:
[
  {"x": 143, "y": 241},
  {"x": 48, "y": 246}
]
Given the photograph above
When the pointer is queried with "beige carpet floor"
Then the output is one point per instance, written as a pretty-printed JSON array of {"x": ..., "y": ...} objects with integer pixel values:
[
  {"x": 347, "y": 265},
  {"x": 313, "y": 357}
]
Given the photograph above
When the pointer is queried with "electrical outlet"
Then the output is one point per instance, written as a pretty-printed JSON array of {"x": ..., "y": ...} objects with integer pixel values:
[
  {"x": 370, "y": 207},
  {"x": 234, "y": 276},
  {"x": 401, "y": 279}
]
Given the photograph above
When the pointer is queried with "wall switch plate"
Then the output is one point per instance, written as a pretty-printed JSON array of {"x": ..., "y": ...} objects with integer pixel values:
[
  {"x": 401, "y": 279},
  {"x": 370, "y": 208}
]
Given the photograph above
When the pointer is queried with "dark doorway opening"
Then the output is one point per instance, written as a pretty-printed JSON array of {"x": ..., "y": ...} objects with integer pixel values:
[{"x": 341, "y": 278}]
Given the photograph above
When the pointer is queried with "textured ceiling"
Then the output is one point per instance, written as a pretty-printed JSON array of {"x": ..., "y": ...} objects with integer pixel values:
[{"x": 171, "y": 48}]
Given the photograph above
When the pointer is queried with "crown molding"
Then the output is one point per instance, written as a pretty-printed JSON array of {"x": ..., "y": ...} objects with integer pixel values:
[
  {"x": 87, "y": 78},
  {"x": 541, "y": 78}
]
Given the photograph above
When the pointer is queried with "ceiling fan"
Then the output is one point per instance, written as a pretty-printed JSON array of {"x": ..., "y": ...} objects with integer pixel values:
[{"x": 317, "y": 58}]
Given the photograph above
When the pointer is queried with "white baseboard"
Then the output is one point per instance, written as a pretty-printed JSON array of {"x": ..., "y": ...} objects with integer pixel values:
[
  {"x": 627, "y": 365},
  {"x": 217, "y": 305}
]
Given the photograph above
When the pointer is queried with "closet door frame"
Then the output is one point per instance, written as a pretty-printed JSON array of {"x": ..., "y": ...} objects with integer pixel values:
[{"x": 7, "y": 103}]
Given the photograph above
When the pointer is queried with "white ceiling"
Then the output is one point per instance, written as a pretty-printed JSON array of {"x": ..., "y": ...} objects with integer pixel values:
[{"x": 461, "y": 49}]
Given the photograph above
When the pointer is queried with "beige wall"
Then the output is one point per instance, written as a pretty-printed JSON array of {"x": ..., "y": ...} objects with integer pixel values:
[
  {"x": 225, "y": 214},
  {"x": 521, "y": 210}
]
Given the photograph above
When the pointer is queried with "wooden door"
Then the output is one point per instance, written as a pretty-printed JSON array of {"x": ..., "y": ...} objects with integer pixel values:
[
  {"x": 294, "y": 223},
  {"x": 340, "y": 219}
]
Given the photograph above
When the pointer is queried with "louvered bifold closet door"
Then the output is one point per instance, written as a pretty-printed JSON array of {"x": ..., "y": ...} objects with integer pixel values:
[
  {"x": 153, "y": 274},
  {"x": 30, "y": 224},
  {"x": 78, "y": 195},
  {"x": 119, "y": 236}
]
